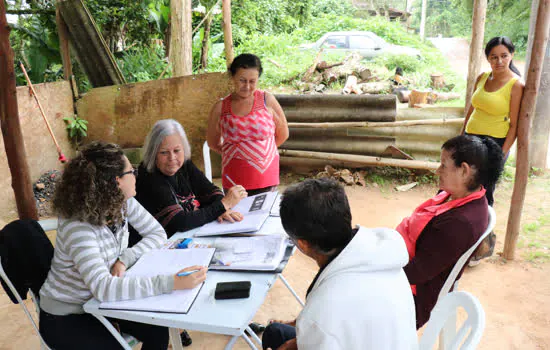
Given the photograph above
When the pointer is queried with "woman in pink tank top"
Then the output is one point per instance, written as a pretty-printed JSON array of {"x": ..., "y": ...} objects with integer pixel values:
[{"x": 246, "y": 127}]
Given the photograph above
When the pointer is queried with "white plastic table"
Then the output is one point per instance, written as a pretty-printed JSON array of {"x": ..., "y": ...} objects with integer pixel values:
[{"x": 229, "y": 317}]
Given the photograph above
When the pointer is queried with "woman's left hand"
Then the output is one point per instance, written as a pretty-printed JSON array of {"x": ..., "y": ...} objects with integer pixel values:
[
  {"x": 118, "y": 269},
  {"x": 230, "y": 216}
]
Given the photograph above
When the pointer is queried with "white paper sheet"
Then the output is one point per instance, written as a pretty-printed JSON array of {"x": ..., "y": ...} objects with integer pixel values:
[
  {"x": 275, "y": 209},
  {"x": 163, "y": 262},
  {"x": 253, "y": 218}
]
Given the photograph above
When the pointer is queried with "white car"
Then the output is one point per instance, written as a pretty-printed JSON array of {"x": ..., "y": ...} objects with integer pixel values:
[{"x": 367, "y": 44}]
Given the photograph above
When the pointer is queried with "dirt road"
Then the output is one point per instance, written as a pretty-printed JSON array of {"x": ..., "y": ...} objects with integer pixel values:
[{"x": 457, "y": 50}]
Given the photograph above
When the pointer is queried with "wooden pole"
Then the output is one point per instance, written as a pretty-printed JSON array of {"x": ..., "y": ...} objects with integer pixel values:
[
  {"x": 453, "y": 121},
  {"x": 476, "y": 49},
  {"x": 63, "y": 33},
  {"x": 538, "y": 144},
  {"x": 532, "y": 24},
  {"x": 364, "y": 160},
  {"x": 204, "y": 47},
  {"x": 11, "y": 128},
  {"x": 525, "y": 117},
  {"x": 181, "y": 42},
  {"x": 227, "y": 31},
  {"x": 423, "y": 19}
]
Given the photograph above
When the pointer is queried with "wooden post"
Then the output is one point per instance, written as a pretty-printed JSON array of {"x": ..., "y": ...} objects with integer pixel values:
[
  {"x": 181, "y": 42},
  {"x": 538, "y": 156},
  {"x": 363, "y": 160},
  {"x": 63, "y": 33},
  {"x": 204, "y": 48},
  {"x": 423, "y": 19},
  {"x": 532, "y": 24},
  {"x": 11, "y": 128},
  {"x": 527, "y": 105},
  {"x": 227, "y": 31},
  {"x": 476, "y": 49}
]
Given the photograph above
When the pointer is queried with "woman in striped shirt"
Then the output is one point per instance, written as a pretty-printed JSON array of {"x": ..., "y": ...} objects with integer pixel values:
[
  {"x": 95, "y": 204},
  {"x": 246, "y": 127}
]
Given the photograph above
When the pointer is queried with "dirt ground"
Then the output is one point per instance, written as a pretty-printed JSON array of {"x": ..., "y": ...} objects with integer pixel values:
[
  {"x": 457, "y": 50},
  {"x": 514, "y": 294}
]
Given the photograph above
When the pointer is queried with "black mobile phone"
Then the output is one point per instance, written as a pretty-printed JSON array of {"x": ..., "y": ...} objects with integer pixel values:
[{"x": 232, "y": 290}]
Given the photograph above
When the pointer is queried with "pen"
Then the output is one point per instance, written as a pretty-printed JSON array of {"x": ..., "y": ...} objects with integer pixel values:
[
  {"x": 232, "y": 182},
  {"x": 187, "y": 273}
]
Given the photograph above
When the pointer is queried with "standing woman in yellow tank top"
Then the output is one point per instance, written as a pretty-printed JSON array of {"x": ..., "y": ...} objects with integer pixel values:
[{"x": 496, "y": 100}]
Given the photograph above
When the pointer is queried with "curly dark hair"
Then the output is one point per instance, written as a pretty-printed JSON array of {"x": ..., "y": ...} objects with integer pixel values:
[{"x": 88, "y": 190}]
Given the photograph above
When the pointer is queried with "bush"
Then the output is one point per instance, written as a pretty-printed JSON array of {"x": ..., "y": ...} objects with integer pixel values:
[
  {"x": 143, "y": 63},
  {"x": 333, "y": 7},
  {"x": 392, "y": 32},
  {"x": 391, "y": 61}
]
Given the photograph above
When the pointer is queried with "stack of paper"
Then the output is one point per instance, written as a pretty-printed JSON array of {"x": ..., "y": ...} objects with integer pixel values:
[
  {"x": 258, "y": 253},
  {"x": 255, "y": 210},
  {"x": 164, "y": 262}
]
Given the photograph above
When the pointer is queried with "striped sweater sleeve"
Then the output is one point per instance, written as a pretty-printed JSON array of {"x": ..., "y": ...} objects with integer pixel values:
[
  {"x": 84, "y": 249},
  {"x": 148, "y": 227}
]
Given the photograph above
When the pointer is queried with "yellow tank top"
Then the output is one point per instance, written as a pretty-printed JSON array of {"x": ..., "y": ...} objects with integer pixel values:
[{"x": 491, "y": 115}]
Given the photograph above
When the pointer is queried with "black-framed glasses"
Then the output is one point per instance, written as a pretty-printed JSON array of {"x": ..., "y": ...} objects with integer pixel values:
[{"x": 133, "y": 171}]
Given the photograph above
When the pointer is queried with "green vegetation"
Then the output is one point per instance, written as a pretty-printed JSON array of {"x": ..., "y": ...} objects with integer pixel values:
[
  {"x": 454, "y": 17},
  {"x": 77, "y": 129},
  {"x": 138, "y": 33},
  {"x": 535, "y": 239}
]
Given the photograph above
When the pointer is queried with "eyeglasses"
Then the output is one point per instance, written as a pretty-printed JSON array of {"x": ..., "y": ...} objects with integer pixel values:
[{"x": 133, "y": 171}]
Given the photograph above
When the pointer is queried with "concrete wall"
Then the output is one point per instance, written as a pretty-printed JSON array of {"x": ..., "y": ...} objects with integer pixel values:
[
  {"x": 56, "y": 99},
  {"x": 124, "y": 114}
]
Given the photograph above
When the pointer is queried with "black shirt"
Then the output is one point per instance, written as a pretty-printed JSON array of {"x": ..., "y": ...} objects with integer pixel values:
[{"x": 180, "y": 202}]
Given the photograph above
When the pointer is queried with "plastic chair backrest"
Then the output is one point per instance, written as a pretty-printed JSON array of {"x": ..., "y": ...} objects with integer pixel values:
[
  {"x": 445, "y": 308},
  {"x": 206, "y": 159},
  {"x": 464, "y": 258}
]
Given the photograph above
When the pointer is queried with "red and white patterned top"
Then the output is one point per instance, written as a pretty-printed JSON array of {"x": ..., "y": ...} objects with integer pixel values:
[{"x": 249, "y": 152}]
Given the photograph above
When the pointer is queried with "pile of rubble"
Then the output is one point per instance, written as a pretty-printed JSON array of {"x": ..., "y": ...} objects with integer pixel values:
[
  {"x": 322, "y": 74},
  {"x": 44, "y": 189},
  {"x": 344, "y": 175},
  {"x": 358, "y": 79}
]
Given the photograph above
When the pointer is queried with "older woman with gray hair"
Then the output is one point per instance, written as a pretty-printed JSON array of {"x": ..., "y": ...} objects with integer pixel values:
[{"x": 174, "y": 190}]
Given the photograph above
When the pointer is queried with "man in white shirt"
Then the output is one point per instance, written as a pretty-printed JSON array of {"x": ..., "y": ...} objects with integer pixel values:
[{"x": 360, "y": 298}]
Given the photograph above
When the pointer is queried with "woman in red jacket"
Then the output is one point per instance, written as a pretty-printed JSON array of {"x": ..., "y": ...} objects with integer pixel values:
[{"x": 443, "y": 228}]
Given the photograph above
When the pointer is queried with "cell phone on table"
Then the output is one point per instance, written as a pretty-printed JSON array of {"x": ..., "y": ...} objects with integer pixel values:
[{"x": 232, "y": 290}]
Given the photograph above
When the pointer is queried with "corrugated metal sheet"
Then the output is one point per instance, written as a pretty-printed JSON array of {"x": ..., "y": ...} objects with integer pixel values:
[
  {"x": 338, "y": 108},
  {"x": 89, "y": 46}
]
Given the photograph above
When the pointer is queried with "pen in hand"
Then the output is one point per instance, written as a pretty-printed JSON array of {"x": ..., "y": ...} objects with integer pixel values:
[
  {"x": 190, "y": 277},
  {"x": 187, "y": 273},
  {"x": 232, "y": 182}
]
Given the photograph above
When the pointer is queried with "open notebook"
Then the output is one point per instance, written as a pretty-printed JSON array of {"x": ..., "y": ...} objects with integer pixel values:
[
  {"x": 255, "y": 210},
  {"x": 169, "y": 262},
  {"x": 257, "y": 253}
]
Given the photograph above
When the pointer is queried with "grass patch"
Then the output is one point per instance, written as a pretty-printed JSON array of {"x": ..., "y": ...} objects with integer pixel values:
[{"x": 535, "y": 240}]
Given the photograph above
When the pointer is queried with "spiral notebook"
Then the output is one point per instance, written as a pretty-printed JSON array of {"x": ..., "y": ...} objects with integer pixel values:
[{"x": 164, "y": 262}]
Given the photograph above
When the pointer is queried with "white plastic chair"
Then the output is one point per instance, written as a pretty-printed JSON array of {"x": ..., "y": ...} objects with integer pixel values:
[
  {"x": 470, "y": 332},
  {"x": 206, "y": 159},
  {"x": 47, "y": 225},
  {"x": 449, "y": 329},
  {"x": 450, "y": 282}
]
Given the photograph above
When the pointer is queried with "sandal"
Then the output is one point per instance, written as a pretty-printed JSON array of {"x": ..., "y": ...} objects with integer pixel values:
[
  {"x": 257, "y": 327},
  {"x": 185, "y": 338},
  {"x": 484, "y": 250}
]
